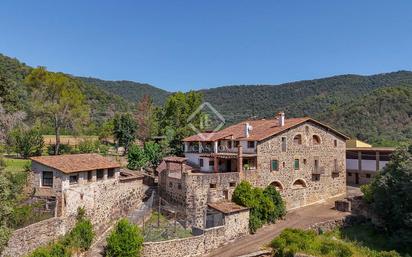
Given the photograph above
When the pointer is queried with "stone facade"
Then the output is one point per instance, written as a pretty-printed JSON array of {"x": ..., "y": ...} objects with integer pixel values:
[
  {"x": 301, "y": 186},
  {"x": 27, "y": 239},
  {"x": 193, "y": 191},
  {"x": 204, "y": 241}
]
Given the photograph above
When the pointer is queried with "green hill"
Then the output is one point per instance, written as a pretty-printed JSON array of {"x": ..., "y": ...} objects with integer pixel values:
[
  {"x": 374, "y": 108},
  {"x": 129, "y": 90},
  {"x": 382, "y": 117},
  {"x": 14, "y": 93}
]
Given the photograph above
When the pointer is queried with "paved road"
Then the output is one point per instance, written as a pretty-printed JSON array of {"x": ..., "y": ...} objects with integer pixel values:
[{"x": 300, "y": 218}]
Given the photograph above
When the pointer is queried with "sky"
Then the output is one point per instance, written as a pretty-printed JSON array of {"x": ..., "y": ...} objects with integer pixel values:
[{"x": 184, "y": 45}]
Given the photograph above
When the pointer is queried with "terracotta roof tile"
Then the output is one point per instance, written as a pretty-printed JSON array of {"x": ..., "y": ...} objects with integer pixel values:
[
  {"x": 261, "y": 129},
  {"x": 72, "y": 163}
]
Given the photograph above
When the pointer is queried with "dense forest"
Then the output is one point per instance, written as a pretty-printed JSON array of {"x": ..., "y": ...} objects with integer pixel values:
[{"x": 374, "y": 108}]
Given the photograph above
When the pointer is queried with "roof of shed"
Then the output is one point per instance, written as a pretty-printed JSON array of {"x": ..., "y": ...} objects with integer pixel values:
[
  {"x": 227, "y": 207},
  {"x": 72, "y": 163}
]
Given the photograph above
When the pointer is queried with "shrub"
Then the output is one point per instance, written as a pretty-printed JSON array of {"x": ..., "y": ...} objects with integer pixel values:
[
  {"x": 63, "y": 149},
  {"x": 103, "y": 149},
  {"x": 59, "y": 250},
  {"x": 88, "y": 146},
  {"x": 125, "y": 240},
  {"x": 367, "y": 192},
  {"x": 40, "y": 252},
  {"x": 4, "y": 237},
  {"x": 81, "y": 236},
  {"x": 27, "y": 142},
  {"x": 265, "y": 205},
  {"x": 136, "y": 158}
]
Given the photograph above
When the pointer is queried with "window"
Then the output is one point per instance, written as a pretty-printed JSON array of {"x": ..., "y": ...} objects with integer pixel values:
[
  {"x": 284, "y": 164},
  {"x": 212, "y": 185},
  {"x": 110, "y": 173},
  {"x": 47, "y": 179},
  {"x": 274, "y": 165},
  {"x": 316, "y": 140},
  {"x": 232, "y": 184},
  {"x": 74, "y": 179},
  {"x": 304, "y": 161},
  {"x": 229, "y": 144},
  {"x": 283, "y": 144},
  {"x": 349, "y": 174},
  {"x": 211, "y": 163},
  {"x": 99, "y": 174},
  {"x": 89, "y": 175},
  {"x": 201, "y": 162},
  {"x": 297, "y": 140},
  {"x": 296, "y": 164},
  {"x": 170, "y": 184},
  {"x": 335, "y": 143},
  {"x": 368, "y": 175},
  {"x": 179, "y": 186},
  {"x": 250, "y": 144},
  {"x": 316, "y": 165}
]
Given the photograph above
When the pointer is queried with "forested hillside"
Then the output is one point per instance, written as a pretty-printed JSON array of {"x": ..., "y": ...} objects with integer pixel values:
[
  {"x": 129, "y": 90},
  {"x": 373, "y": 108},
  {"x": 383, "y": 117},
  {"x": 14, "y": 92}
]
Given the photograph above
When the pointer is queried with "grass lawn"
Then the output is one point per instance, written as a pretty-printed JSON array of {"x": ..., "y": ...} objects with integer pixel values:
[
  {"x": 166, "y": 230},
  {"x": 15, "y": 165},
  {"x": 356, "y": 241}
]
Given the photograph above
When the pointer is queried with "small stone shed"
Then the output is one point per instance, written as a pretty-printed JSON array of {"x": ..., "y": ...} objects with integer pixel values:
[{"x": 235, "y": 218}]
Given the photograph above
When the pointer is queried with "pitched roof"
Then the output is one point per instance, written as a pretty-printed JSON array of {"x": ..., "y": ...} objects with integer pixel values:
[
  {"x": 227, "y": 207},
  {"x": 176, "y": 167},
  {"x": 261, "y": 129},
  {"x": 72, "y": 163}
]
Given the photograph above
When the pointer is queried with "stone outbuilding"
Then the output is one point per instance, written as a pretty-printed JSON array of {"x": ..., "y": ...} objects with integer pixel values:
[{"x": 90, "y": 181}]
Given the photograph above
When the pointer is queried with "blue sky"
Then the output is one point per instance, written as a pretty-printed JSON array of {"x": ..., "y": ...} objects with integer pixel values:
[{"x": 183, "y": 45}]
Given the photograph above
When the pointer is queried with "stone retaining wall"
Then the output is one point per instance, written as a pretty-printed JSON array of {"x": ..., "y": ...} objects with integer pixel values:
[
  {"x": 27, "y": 239},
  {"x": 203, "y": 242}
]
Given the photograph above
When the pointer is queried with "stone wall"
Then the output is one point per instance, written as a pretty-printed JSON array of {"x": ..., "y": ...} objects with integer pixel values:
[
  {"x": 27, "y": 239},
  {"x": 193, "y": 191},
  {"x": 104, "y": 200},
  {"x": 315, "y": 187},
  {"x": 204, "y": 241}
]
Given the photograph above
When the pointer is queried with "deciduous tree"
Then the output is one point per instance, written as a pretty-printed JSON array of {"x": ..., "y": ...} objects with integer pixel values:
[{"x": 124, "y": 129}]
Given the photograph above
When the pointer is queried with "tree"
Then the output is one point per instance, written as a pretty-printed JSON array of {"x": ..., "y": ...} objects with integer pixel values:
[
  {"x": 27, "y": 142},
  {"x": 136, "y": 158},
  {"x": 124, "y": 129},
  {"x": 146, "y": 118},
  {"x": 8, "y": 121},
  {"x": 126, "y": 240},
  {"x": 57, "y": 98},
  {"x": 154, "y": 154},
  {"x": 174, "y": 121},
  {"x": 391, "y": 199}
]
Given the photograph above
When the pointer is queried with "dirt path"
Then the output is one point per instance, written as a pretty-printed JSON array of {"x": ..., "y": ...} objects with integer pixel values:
[{"x": 300, "y": 218}]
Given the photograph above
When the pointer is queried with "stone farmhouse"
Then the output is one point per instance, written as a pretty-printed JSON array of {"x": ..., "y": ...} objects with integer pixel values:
[
  {"x": 90, "y": 181},
  {"x": 303, "y": 158},
  {"x": 363, "y": 161}
]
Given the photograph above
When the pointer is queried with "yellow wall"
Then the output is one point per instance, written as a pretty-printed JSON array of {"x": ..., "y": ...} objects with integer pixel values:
[{"x": 356, "y": 143}]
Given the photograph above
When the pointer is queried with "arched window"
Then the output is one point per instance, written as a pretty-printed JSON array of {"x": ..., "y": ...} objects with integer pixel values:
[
  {"x": 299, "y": 183},
  {"x": 316, "y": 140},
  {"x": 277, "y": 185},
  {"x": 297, "y": 140}
]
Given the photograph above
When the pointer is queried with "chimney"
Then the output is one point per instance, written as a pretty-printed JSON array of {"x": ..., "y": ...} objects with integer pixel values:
[
  {"x": 281, "y": 119},
  {"x": 248, "y": 128}
]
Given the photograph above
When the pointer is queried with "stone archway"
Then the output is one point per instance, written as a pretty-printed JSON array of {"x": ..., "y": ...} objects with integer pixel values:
[
  {"x": 277, "y": 185},
  {"x": 299, "y": 183}
]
